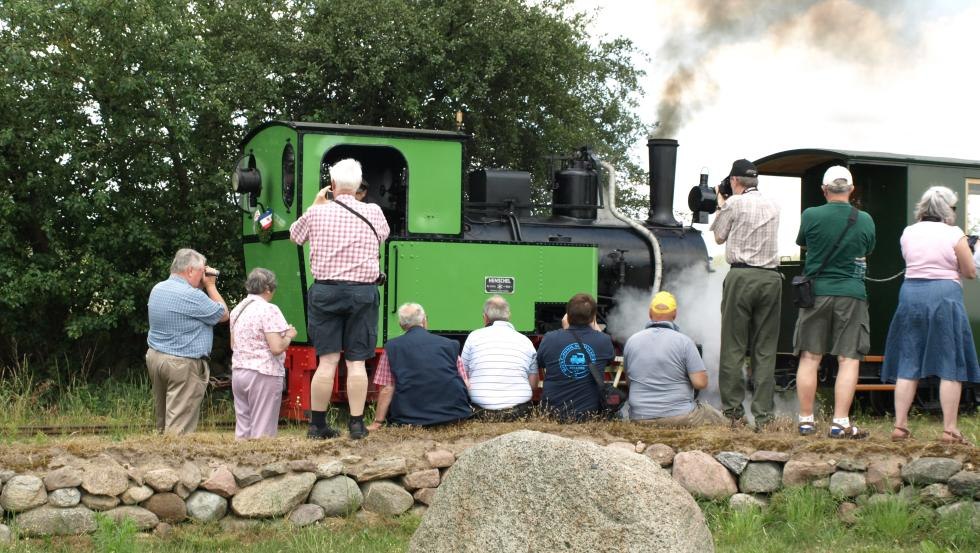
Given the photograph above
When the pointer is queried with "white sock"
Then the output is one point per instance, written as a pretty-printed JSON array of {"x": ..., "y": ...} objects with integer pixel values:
[
  {"x": 807, "y": 418},
  {"x": 845, "y": 422}
]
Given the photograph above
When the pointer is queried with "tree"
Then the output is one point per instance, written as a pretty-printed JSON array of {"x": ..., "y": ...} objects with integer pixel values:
[{"x": 120, "y": 120}]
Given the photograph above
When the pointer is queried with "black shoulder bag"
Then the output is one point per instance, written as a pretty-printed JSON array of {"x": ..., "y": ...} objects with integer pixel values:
[
  {"x": 611, "y": 398},
  {"x": 382, "y": 278},
  {"x": 803, "y": 284}
]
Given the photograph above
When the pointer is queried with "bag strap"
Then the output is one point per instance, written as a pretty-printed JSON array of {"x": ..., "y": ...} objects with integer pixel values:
[
  {"x": 361, "y": 217},
  {"x": 599, "y": 382},
  {"x": 851, "y": 219},
  {"x": 231, "y": 323}
]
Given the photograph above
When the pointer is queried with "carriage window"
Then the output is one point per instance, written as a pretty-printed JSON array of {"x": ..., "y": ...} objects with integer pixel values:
[{"x": 972, "y": 223}]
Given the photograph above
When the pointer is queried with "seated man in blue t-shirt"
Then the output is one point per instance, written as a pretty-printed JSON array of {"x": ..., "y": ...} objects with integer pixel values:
[
  {"x": 570, "y": 393},
  {"x": 665, "y": 369}
]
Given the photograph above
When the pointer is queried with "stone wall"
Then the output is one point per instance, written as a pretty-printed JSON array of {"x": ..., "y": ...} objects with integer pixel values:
[{"x": 65, "y": 498}]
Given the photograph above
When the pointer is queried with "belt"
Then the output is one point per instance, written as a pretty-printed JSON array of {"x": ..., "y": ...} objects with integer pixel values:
[
  {"x": 344, "y": 282},
  {"x": 747, "y": 266}
]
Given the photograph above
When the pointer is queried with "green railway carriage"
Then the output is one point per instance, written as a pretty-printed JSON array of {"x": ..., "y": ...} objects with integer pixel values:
[
  {"x": 887, "y": 186},
  {"x": 415, "y": 176}
]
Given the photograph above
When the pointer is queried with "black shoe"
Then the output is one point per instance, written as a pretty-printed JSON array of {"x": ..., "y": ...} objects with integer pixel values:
[
  {"x": 357, "y": 429},
  {"x": 321, "y": 432}
]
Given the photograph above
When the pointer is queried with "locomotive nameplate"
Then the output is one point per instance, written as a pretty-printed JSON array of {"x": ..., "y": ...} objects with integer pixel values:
[{"x": 499, "y": 285}]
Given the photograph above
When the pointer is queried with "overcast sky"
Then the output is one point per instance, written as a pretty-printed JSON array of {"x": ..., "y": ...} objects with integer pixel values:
[{"x": 766, "y": 76}]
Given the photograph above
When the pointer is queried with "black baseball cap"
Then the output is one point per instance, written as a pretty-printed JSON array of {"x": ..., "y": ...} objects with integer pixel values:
[{"x": 743, "y": 168}]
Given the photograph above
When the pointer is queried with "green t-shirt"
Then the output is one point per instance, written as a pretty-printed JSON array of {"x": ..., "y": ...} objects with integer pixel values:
[{"x": 844, "y": 274}]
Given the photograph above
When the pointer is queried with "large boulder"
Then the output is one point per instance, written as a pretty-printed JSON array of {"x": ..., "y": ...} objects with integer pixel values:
[
  {"x": 273, "y": 497},
  {"x": 221, "y": 482},
  {"x": 703, "y": 476},
  {"x": 53, "y": 521},
  {"x": 528, "y": 491},
  {"x": 338, "y": 496},
  {"x": 23, "y": 492},
  {"x": 966, "y": 484}
]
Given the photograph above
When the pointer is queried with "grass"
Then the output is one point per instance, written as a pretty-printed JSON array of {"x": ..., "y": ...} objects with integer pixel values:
[
  {"x": 333, "y": 535},
  {"x": 804, "y": 519}
]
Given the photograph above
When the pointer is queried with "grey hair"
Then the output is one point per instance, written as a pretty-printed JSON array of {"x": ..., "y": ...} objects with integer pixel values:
[
  {"x": 346, "y": 175},
  {"x": 260, "y": 281},
  {"x": 938, "y": 202},
  {"x": 496, "y": 308},
  {"x": 748, "y": 182},
  {"x": 410, "y": 315},
  {"x": 839, "y": 186},
  {"x": 185, "y": 259}
]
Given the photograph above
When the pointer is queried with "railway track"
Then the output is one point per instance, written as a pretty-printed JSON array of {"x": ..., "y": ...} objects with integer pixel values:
[{"x": 96, "y": 429}]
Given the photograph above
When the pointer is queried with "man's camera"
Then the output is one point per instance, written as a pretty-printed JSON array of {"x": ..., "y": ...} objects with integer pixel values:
[
  {"x": 971, "y": 241},
  {"x": 725, "y": 188},
  {"x": 208, "y": 271}
]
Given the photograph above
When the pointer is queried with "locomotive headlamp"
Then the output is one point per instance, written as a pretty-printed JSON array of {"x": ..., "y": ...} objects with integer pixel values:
[
  {"x": 246, "y": 180},
  {"x": 702, "y": 200}
]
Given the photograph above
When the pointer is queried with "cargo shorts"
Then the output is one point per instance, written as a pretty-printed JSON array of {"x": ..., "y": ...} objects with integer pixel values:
[
  {"x": 838, "y": 325},
  {"x": 343, "y": 317}
]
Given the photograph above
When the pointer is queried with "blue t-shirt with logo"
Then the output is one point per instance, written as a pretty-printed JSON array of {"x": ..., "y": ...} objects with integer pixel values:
[{"x": 569, "y": 390}]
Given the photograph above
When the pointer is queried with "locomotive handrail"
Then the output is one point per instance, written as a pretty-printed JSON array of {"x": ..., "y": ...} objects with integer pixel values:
[
  {"x": 394, "y": 304},
  {"x": 642, "y": 230}
]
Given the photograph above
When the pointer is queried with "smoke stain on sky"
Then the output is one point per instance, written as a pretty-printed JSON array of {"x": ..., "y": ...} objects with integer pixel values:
[{"x": 874, "y": 35}]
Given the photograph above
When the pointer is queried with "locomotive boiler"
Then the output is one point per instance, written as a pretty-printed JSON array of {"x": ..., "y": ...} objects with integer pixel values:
[{"x": 450, "y": 250}]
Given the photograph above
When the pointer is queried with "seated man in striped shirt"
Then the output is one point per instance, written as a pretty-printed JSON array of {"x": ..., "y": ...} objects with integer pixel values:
[{"x": 501, "y": 364}]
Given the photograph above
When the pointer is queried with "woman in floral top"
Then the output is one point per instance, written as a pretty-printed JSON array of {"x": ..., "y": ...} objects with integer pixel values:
[{"x": 259, "y": 338}]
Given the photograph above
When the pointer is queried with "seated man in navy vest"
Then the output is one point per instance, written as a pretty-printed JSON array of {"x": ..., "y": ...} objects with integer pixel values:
[{"x": 421, "y": 376}]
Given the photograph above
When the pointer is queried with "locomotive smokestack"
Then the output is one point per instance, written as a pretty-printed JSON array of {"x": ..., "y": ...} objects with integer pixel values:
[{"x": 663, "y": 162}]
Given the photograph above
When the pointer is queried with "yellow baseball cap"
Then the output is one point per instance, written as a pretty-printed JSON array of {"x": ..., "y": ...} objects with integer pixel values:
[{"x": 663, "y": 302}]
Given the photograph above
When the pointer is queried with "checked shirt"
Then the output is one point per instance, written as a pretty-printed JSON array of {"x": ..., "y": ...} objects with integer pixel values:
[{"x": 342, "y": 246}]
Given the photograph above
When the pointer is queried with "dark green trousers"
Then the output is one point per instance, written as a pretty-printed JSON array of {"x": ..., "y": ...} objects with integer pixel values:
[{"x": 749, "y": 327}]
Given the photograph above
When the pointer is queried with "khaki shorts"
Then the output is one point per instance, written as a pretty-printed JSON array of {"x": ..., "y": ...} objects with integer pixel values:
[{"x": 837, "y": 325}]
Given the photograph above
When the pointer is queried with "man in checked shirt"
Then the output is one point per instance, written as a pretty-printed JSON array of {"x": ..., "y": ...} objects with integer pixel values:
[
  {"x": 748, "y": 224},
  {"x": 343, "y": 301}
]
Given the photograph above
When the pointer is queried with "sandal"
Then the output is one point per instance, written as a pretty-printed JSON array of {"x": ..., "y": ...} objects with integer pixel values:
[
  {"x": 954, "y": 438},
  {"x": 839, "y": 432},
  {"x": 901, "y": 434},
  {"x": 806, "y": 428}
]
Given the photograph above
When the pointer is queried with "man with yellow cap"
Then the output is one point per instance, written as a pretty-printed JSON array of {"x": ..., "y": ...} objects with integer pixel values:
[{"x": 665, "y": 369}]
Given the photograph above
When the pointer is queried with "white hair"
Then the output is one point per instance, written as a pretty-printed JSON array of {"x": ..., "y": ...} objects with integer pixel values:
[
  {"x": 496, "y": 309},
  {"x": 346, "y": 175},
  {"x": 937, "y": 202},
  {"x": 838, "y": 186},
  {"x": 185, "y": 259},
  {"x": 410, "y": 315}
]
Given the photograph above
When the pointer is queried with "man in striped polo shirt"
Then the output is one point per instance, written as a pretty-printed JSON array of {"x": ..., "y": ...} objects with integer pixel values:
[{"x": 501, "y": 364}]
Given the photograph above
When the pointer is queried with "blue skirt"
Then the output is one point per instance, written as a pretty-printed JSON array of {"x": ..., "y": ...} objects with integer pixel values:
[{"x": 930, "y": 334}]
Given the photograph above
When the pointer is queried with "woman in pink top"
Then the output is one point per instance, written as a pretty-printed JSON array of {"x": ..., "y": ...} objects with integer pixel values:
[
  {"x": 259, "y": 338},
  {"x": 930, "y": 332}
]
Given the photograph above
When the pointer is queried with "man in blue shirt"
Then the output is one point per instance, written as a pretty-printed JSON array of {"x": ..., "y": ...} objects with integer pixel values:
[
  {"x": 182, "y": 319},
  {"x": 570, "y": 393}
]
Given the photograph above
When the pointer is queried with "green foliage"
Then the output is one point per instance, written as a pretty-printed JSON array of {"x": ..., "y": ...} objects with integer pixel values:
[
  {"x": 119, "y": 121},
  {"x": 113, "y": 537}
]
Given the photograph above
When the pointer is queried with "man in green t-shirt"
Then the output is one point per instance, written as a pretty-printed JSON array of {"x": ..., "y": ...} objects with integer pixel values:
[{"x": 838, "y": 322}]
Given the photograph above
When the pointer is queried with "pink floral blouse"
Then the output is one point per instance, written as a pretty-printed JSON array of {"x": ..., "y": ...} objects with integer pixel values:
[{"x": 250, "y": 320}]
